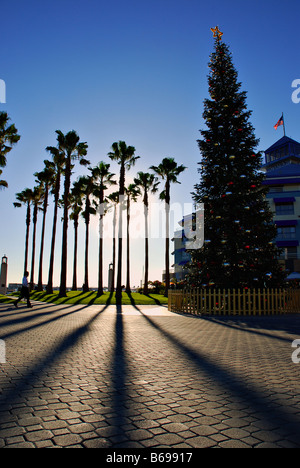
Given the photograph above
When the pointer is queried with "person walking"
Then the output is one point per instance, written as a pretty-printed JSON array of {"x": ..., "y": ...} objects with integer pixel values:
[{"x": 24, "y": 291}]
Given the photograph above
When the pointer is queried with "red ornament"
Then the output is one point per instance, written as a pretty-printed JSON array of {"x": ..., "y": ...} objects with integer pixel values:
[{"x": 247, "y": 247}]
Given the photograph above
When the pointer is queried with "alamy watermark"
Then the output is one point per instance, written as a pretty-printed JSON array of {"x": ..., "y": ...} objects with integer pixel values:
[
  {"x": 295, "y": 354},
  {"x": 2, "y": 352},
  {"x": 296, "y": 93},
  {"x": 184, "y": 217},
  {"x": 2, "y": 92}
]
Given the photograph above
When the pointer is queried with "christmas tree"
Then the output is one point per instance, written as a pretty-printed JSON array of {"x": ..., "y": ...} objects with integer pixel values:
[{"x": 239, "y": 248}]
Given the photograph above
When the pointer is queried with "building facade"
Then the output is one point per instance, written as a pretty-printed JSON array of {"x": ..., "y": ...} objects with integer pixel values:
[{"x": 282, "y": 170}]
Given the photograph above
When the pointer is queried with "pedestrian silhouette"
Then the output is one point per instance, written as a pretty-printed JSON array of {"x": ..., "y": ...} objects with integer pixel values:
[{"x": 24, "y": 291}]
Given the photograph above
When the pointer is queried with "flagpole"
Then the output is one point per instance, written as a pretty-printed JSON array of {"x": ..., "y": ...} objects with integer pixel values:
[{"x": 283, "y": 124}]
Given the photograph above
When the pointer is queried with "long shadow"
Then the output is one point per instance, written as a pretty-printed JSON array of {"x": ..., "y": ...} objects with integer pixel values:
[
  {"x": 9, "y": 398},
  {"x": 40, "y": 324},
  {"x": 132, "y": 301},
  {"x": 108, "y": 302},
  {"x": 263, "y": 407},
  {"x": 119, "y": 373},
  {"x": 259, "y": 325},
  {"x": 155, "y": 300}
]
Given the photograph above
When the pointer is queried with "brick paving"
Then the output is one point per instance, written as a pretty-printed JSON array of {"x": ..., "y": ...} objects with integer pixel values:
[{"x": 142, "y": 377}]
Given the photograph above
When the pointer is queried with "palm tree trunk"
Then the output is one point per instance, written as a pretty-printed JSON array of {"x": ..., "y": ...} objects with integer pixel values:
[
  {"x": 33, "y": 248},
  {"x": 119, "y": 268},
  {"x": 74, "y": 285},
  {"x": 120, "y": 235},
  {"x": 27, "y": 236},
  {"x": 146, "y": 246},
  {"x": 167, "y": 256},
  {"x": 86, "y": 261},
  {"x": 49, "y": 287},
  {"x": 63, "y": 274},
  {"x": 114, "y": 250},
  {"x": 40, "y": 280},
  {"x": 128, "y": 290},
  {"x": 100, "y": 261}
]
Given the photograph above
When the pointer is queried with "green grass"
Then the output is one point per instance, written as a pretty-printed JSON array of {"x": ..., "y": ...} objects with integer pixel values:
[{"x": 90, "y": 298}]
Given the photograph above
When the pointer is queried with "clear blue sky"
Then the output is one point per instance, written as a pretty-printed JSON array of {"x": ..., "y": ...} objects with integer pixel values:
[{"x": 135, "y": 71}]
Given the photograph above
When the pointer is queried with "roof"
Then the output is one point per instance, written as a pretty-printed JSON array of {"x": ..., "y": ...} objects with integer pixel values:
[
  {"x": 282, "y": 142},
  {"x": 288, "y": 170}
]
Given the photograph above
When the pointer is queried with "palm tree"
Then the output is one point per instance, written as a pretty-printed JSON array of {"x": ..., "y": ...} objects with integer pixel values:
[
  {"x": 76, "y": 208},
  {"x": 36, "y": 201},
  {"x": 8, "y": 138},
  {"x": 46, "y": 180},
  {"x": 58, "y": 159},
  {"x": 105, "y": 179},
  {"x": 87, "y": 184},
  {"x": 124, "y": 156},
  {"x": 73, "y": 149},
  {"x": 25, "y": 198},
  {"x": 168, "y": 170},
  {"x": 149, "y": 184},
  {"x": 113, "y": 199},
  {"x": 132, "y": 192},
  {"x": 3, "y": 183}
]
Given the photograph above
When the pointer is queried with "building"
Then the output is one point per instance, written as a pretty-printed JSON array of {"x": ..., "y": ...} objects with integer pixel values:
[
  {"x": 181, "y": 256},
  {"x": 282, "y": 168}
]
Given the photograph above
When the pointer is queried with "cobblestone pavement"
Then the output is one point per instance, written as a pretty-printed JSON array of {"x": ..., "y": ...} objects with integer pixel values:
[{"x": 96, "y": 376}]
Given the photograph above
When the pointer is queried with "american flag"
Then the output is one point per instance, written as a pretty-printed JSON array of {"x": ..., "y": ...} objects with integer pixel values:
[{"x": 280, "y": 122}]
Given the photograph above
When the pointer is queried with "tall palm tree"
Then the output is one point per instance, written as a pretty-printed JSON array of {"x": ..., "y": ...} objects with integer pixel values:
[
  {"x": 36, "y": 202},
  {"x": 8, "y": 138},
  {"x": 87, "y": 184},
  {"x": 58, "y": 160},
  {"x": 168, "y": 170},
  {"x": 73, "y": 149},
  {"x": 113, "y": 200},
  {"x": 124, "y": 156},
  {"x": 25, "y": 197},
  {"x": 76, "y": 198},
  {"x": 132, "y": 192},
  {"x": 103, "y": 179},
  {"x": 148, "y": 184},
  {"x": 46, "y": 180}
]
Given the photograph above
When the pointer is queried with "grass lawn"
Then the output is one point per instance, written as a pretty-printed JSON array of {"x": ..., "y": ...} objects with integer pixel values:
[{"x": 90, "y": 298}]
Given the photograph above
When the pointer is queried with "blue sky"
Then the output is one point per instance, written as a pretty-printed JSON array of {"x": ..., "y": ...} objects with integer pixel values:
[{"x": 134, "y": 71}]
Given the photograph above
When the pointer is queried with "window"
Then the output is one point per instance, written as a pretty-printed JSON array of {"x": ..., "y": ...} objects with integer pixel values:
[
  {"x": 288, "y": 253},
  {"x": 284, "y": 208},
  {"x": 277, "y": 188},
  {"x": 286, "y": 232}
]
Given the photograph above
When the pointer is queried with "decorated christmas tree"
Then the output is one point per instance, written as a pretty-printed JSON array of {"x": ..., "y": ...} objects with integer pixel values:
[{"x": 239, "y": 248}]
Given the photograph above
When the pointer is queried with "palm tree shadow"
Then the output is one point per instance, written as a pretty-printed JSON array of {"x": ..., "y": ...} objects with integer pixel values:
[
  {"x": 11, "y": 397},
  {"x": 119, "y": 375},
  {"x": 132, "y": 301},
  {"x": 108, "y": 302},
  {"x": 157, "y": 301},
  {"x": 264, "y": 408}
]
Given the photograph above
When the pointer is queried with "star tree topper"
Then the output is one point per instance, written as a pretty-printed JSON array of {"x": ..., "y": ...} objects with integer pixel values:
[{"x": 217, "y": 33}]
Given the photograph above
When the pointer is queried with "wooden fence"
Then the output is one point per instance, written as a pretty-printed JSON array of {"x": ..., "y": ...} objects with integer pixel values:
[{"x": 234, "y": 301}]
